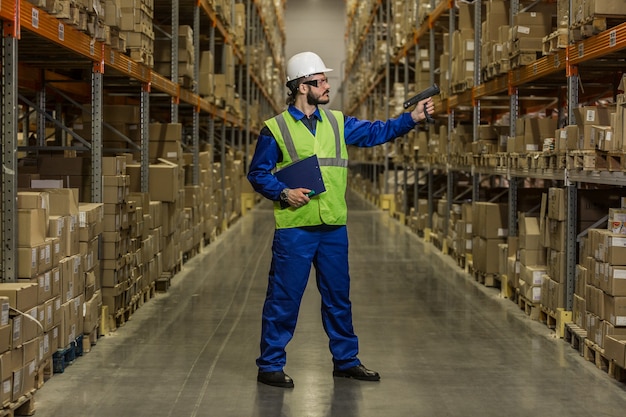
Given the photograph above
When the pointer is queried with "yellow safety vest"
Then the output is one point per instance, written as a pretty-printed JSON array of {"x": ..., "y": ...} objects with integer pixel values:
[{"x": 297, "y": 142}]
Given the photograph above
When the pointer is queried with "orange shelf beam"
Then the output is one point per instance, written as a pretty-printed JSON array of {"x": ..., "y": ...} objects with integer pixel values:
[
  {"x": 611, "y": 40},
  {"x": 543, "y": 67}
]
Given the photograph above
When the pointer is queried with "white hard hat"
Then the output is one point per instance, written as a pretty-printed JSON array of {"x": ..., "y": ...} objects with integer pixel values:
[{"x": 305, "y": 64}]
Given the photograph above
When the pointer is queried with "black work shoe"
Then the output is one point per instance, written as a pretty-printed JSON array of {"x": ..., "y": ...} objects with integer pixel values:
[
  {"x": 275, "y": 379},
  {"x": 359, "y": 372}
]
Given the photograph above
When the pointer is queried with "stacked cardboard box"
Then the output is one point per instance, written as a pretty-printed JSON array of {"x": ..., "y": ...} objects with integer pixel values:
[
  {"x": 224, "y": 80},
  {"x": 136, "y": 24},
  {"x": 595, "y": 128},
  {"x": 489, "y": 228},
  {"x": 21, "y": 341},
  {"x": 530, "y": 134},
  {"x": 605, "y": 292},
  {"x": 207, "y": 69},
  {"x": 404, "y": 19},
  {"x": 587, "y": 15},
  {"x": 186, "y": 55},
  {"x": 90, "y": 220},
  {"x": 463, "y": 231},
  {"x": 532, "y": 259},
  {"x": 60, "y": 272},
  {"x": 39, "y": 256},
  {"x": 165, "y": 142},
  {"x": 462, "y": 70},
  {"x": 239, "y": 26},
  {"x": 115, "y": 236},
  {"x": 461, "y": 139},
  {"x": 491, "y": 139},
  {"x": 527, "y": 33},
  {"x": 493, "y": 49},
  {"x": 444, "y": 67}
]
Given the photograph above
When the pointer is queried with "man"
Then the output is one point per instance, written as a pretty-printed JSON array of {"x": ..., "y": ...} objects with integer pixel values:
[{"x": 312, "y": 229}]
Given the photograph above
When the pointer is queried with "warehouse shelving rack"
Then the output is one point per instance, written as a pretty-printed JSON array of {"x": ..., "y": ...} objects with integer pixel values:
[
  {"x": 37, "y": 44},
  {"x": 590, "y": 55}
]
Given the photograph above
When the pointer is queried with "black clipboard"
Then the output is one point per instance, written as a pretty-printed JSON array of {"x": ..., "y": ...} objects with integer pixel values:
[{"x": 304, "y": 173}]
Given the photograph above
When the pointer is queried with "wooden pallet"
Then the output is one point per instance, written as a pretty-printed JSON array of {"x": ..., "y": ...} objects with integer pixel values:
[
  {"x": 522, "y": 58},
  {"x": 575, "y": 336},
  {"x": 592, "y": 25},
  {"x": 530, "y": 308},
  {"x": 613, "y": 161},
  {"x": 487, "y": 279},
  {"x": 555, "y": 41},
  {"x": 594, "y": 353},
  {"x": 585, "y": 161},
  {"x": 24, "y": 406},
  {"x": 555, "y": 320}
]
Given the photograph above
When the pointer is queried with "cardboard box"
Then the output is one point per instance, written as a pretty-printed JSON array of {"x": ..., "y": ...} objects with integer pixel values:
[
  {"x": 113, "y": 165},
  {"x": 6, "y": 373},
  {"x": 5, "y": 338},
  {"x": 532, "y": 257},
  {"x": 63, "y": 201},
  {"x": 533, "y": 18},
  {"x": 533, "y": 274},
  {"x": 593, "y": 115},
  {"x": 27, "y": 262},
  {"x": 557, "y": 204},
  {"x": 21, "y": 295},
  {"x": 170, "y": 150},
  {"x": 615, "y": 310},
  {"x": 32, "y": 227},
  {"x": 45, "y": 256},
  {"x": 485, "y": 254},
  {"x": 92, "y": 310},
  {"x": 615, "y": 280},
  {"x": 33, "y": 200},
  {"x": 492, "y": 220},
  {"x": 615, "y": 348},
  {"x": 165, "y": 132},
  {"x": 529, "y": 234},
  {"x": 616, "y": 249},
  {"x": 164, "y": 184}
]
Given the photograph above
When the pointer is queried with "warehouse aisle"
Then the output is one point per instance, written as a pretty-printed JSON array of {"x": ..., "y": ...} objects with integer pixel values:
[{"x": 443, "y": 345}]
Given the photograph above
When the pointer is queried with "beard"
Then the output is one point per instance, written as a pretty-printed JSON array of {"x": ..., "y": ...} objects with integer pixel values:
[{"x": 314, "y": 100}]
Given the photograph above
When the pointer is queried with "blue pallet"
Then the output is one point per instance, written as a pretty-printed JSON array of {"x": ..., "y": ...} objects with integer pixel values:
[
  {"x": 78, "y": 345},
  {"x": 62, "y": 358}
]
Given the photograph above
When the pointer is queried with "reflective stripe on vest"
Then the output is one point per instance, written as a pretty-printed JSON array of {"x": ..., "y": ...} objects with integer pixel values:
[{"x": 291, "y": 147}]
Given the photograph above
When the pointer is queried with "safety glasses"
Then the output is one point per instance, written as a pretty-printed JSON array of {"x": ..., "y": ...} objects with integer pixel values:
[{"x": 317, "y": 82}]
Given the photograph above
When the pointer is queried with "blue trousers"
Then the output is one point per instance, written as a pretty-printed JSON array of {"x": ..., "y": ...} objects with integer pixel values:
[{"x": 293, "y": 252}]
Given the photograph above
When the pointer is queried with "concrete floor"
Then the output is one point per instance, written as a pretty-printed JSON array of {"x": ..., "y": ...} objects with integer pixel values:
[{"x": 444, "y": 345}]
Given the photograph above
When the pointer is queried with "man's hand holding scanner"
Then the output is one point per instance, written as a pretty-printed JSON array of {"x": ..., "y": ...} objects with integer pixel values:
[
  {"x": 296, "y": 197},
  {"x": 418, "y": 113}
]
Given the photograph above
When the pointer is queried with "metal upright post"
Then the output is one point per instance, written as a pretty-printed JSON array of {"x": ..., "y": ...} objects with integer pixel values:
[
  {"x": 514, "y": 112},
  {"x": 41, "y": 120},
  {"x": 174, "y": 57},
  {"x": 247, "y": 101},
  {"x": 385, "y": 147},
  {"x": 9, "y": 116},
  {"x": 431, "y": 198},
  {"x": 477, "y": 81},
  {"x": 223, "y": 169},
  {"x": 196, "y": 111},
  {"x": 405, "y": 140},
  {"x": 572, "y": 190},
  {"x": 96, "y": 132},
  {"x": 144, "y": 128},
  {"x": 416, "y": 171}
]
